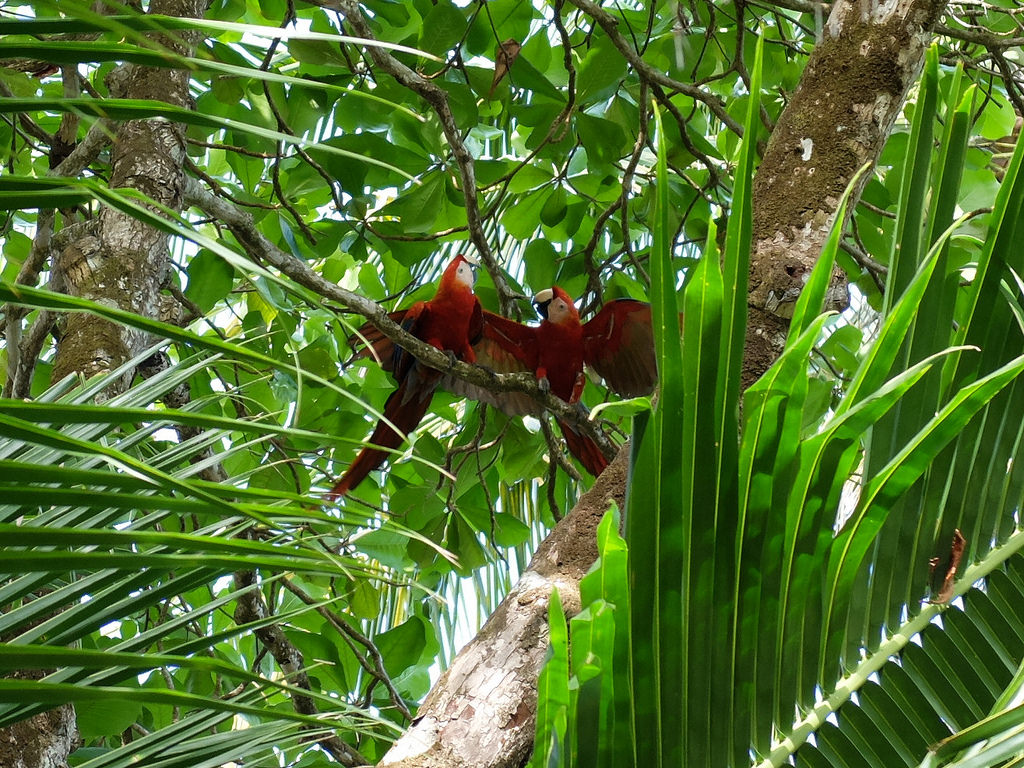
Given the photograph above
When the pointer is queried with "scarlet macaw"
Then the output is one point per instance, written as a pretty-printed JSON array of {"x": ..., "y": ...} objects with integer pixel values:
[
  {"x": 618, "y": 343},
  {"x": 450, "y": 321}
]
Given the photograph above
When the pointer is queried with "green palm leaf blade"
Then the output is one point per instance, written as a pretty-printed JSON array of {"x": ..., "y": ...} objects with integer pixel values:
[
  {"x": 77, "y": 52},
  {"x": 908, "y": 737},
  {"x": 691, "y": 575},
  {"x": 884, "y": 489},
  {"x": 139, "y": 568},
  {"x": 914, "y": 185},
  {"x": 775, "y": 402},
  {"x": 768, "y": 462},
  {"x": 960, "y": 490},
  {"x": 194, "y": 738},
  {"x": 30, "y": 692},
  {"x": 810, "y": 501},
  {"x": 653, "y": 520},
  {"x": 999, "y": 250},
  {"x": 925, "y": 681},
  {"x": 608, "y": 583},
  {"x": 931, "y": 331},
  {"x": 642, "y": 522},
  {"x": 592, "y": 685},
  {"x": 553, "y": 691},
  {"x": 729, "y": 735},
  {"x": 81, "y": 18},
  {"x": 694, "y": 534},
  {"x": 992, "y": 739},
  {"x": 140, "y": 109},
  {"x": 36, "y": 297}
]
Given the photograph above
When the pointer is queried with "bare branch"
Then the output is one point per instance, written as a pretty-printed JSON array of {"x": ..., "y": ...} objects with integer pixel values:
[
  {"x": 353, "y": 637},
  {"x": 99, "y": 135},
  {"x": 252, "y": 608},
  {"x": 19, "y": 369},
  {"x": 437, "y": 98},
  {"x": 611, "y": 27}
]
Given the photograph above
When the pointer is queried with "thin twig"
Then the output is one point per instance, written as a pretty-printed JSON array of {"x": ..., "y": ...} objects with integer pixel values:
[
  {"x": 351, "y": 637},
  {"x": 437, "y": 98},
  {"x": 252, "y": 608},
  {"x": 654, "y": 76}
]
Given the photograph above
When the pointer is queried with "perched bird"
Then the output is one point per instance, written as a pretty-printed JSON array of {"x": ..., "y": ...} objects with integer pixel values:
[
  {"x": 618, "y": 343},
  {"x": 451, "y": 321},
  {"x": 507, "y": 53}
]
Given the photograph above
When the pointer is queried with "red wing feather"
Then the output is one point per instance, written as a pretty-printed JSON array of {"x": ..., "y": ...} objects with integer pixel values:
[
  {"x": 369, "y": 342},
  {"x": 618, "y": 343},
  {"x": 404, "y": 408},
  {"x": 504, "y": 346}
]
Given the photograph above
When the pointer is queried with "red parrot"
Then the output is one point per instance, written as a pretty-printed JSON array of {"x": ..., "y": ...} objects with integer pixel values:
[
  {"x": 618, "y": 343},
  {"x": 451, "y": 321}
]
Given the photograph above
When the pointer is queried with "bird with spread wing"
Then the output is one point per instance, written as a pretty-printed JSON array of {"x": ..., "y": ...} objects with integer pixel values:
[
  {"x": 617, "y": 343},
  {"x": 452, "y": 322}
]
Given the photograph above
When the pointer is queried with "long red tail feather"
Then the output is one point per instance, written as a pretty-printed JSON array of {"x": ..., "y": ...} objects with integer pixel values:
[
  {"x": 584, "y": 449},
  {"x": 404, "y": 415}
]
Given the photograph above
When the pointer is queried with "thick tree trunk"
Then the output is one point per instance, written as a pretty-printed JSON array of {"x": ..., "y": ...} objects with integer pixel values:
[
  {"x": 124, "y": 262},
  {"x": 120, "y": 262},
  {"x": 481, "y": 713},
  {"x": 43, "y": 741},
  {"x": 839, "y": 118}
]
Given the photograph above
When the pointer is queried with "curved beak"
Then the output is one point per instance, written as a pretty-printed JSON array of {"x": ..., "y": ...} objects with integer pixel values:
[{"x": 542, "y": 301}]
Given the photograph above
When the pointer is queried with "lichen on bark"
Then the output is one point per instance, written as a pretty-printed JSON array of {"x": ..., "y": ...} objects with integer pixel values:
[
  {"x": 839, "y": 118},
  {"x": 124, "y": 262}
]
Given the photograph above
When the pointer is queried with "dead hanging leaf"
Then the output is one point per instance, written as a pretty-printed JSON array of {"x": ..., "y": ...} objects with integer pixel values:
[
  {"x": 503, "y": 58},
  {"x": 956, "y": 553}
]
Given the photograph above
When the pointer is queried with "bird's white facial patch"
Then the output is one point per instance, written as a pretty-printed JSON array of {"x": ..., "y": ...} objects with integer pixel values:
[
  {"x": 465, "y": 274},
  {"x": 558, "y": 310}
]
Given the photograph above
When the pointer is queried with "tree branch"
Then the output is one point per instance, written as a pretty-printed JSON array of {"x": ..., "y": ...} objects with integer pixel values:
[
  {"x": 437, "y": 98},
  {"x": 252, "y": 608},
  {"x": 653, "y": 76},
  {"x": 862, "y": 69},
  {"x": 244, "y": 228}
]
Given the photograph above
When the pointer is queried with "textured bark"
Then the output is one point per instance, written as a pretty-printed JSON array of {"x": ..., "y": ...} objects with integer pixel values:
[
  {"x": 123, "y": 262},
  {"x": 481, "y": 712},
  {"x": 853, "y": 88},
  {"x": 43, "y": 741}
]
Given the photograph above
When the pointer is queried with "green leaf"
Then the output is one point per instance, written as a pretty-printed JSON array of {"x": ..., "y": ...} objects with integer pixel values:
[
  {"x": 442, "y": 28},
  {"x": 402, "y": 646},
  {"x": 210, "y": 279},
  {"x": 600, "y": 71}
]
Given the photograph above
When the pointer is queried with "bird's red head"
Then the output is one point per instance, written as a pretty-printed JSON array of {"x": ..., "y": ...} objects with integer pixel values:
[
  {"x": 461, "y": 272},
  {"x": 556, "y": 306}
]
